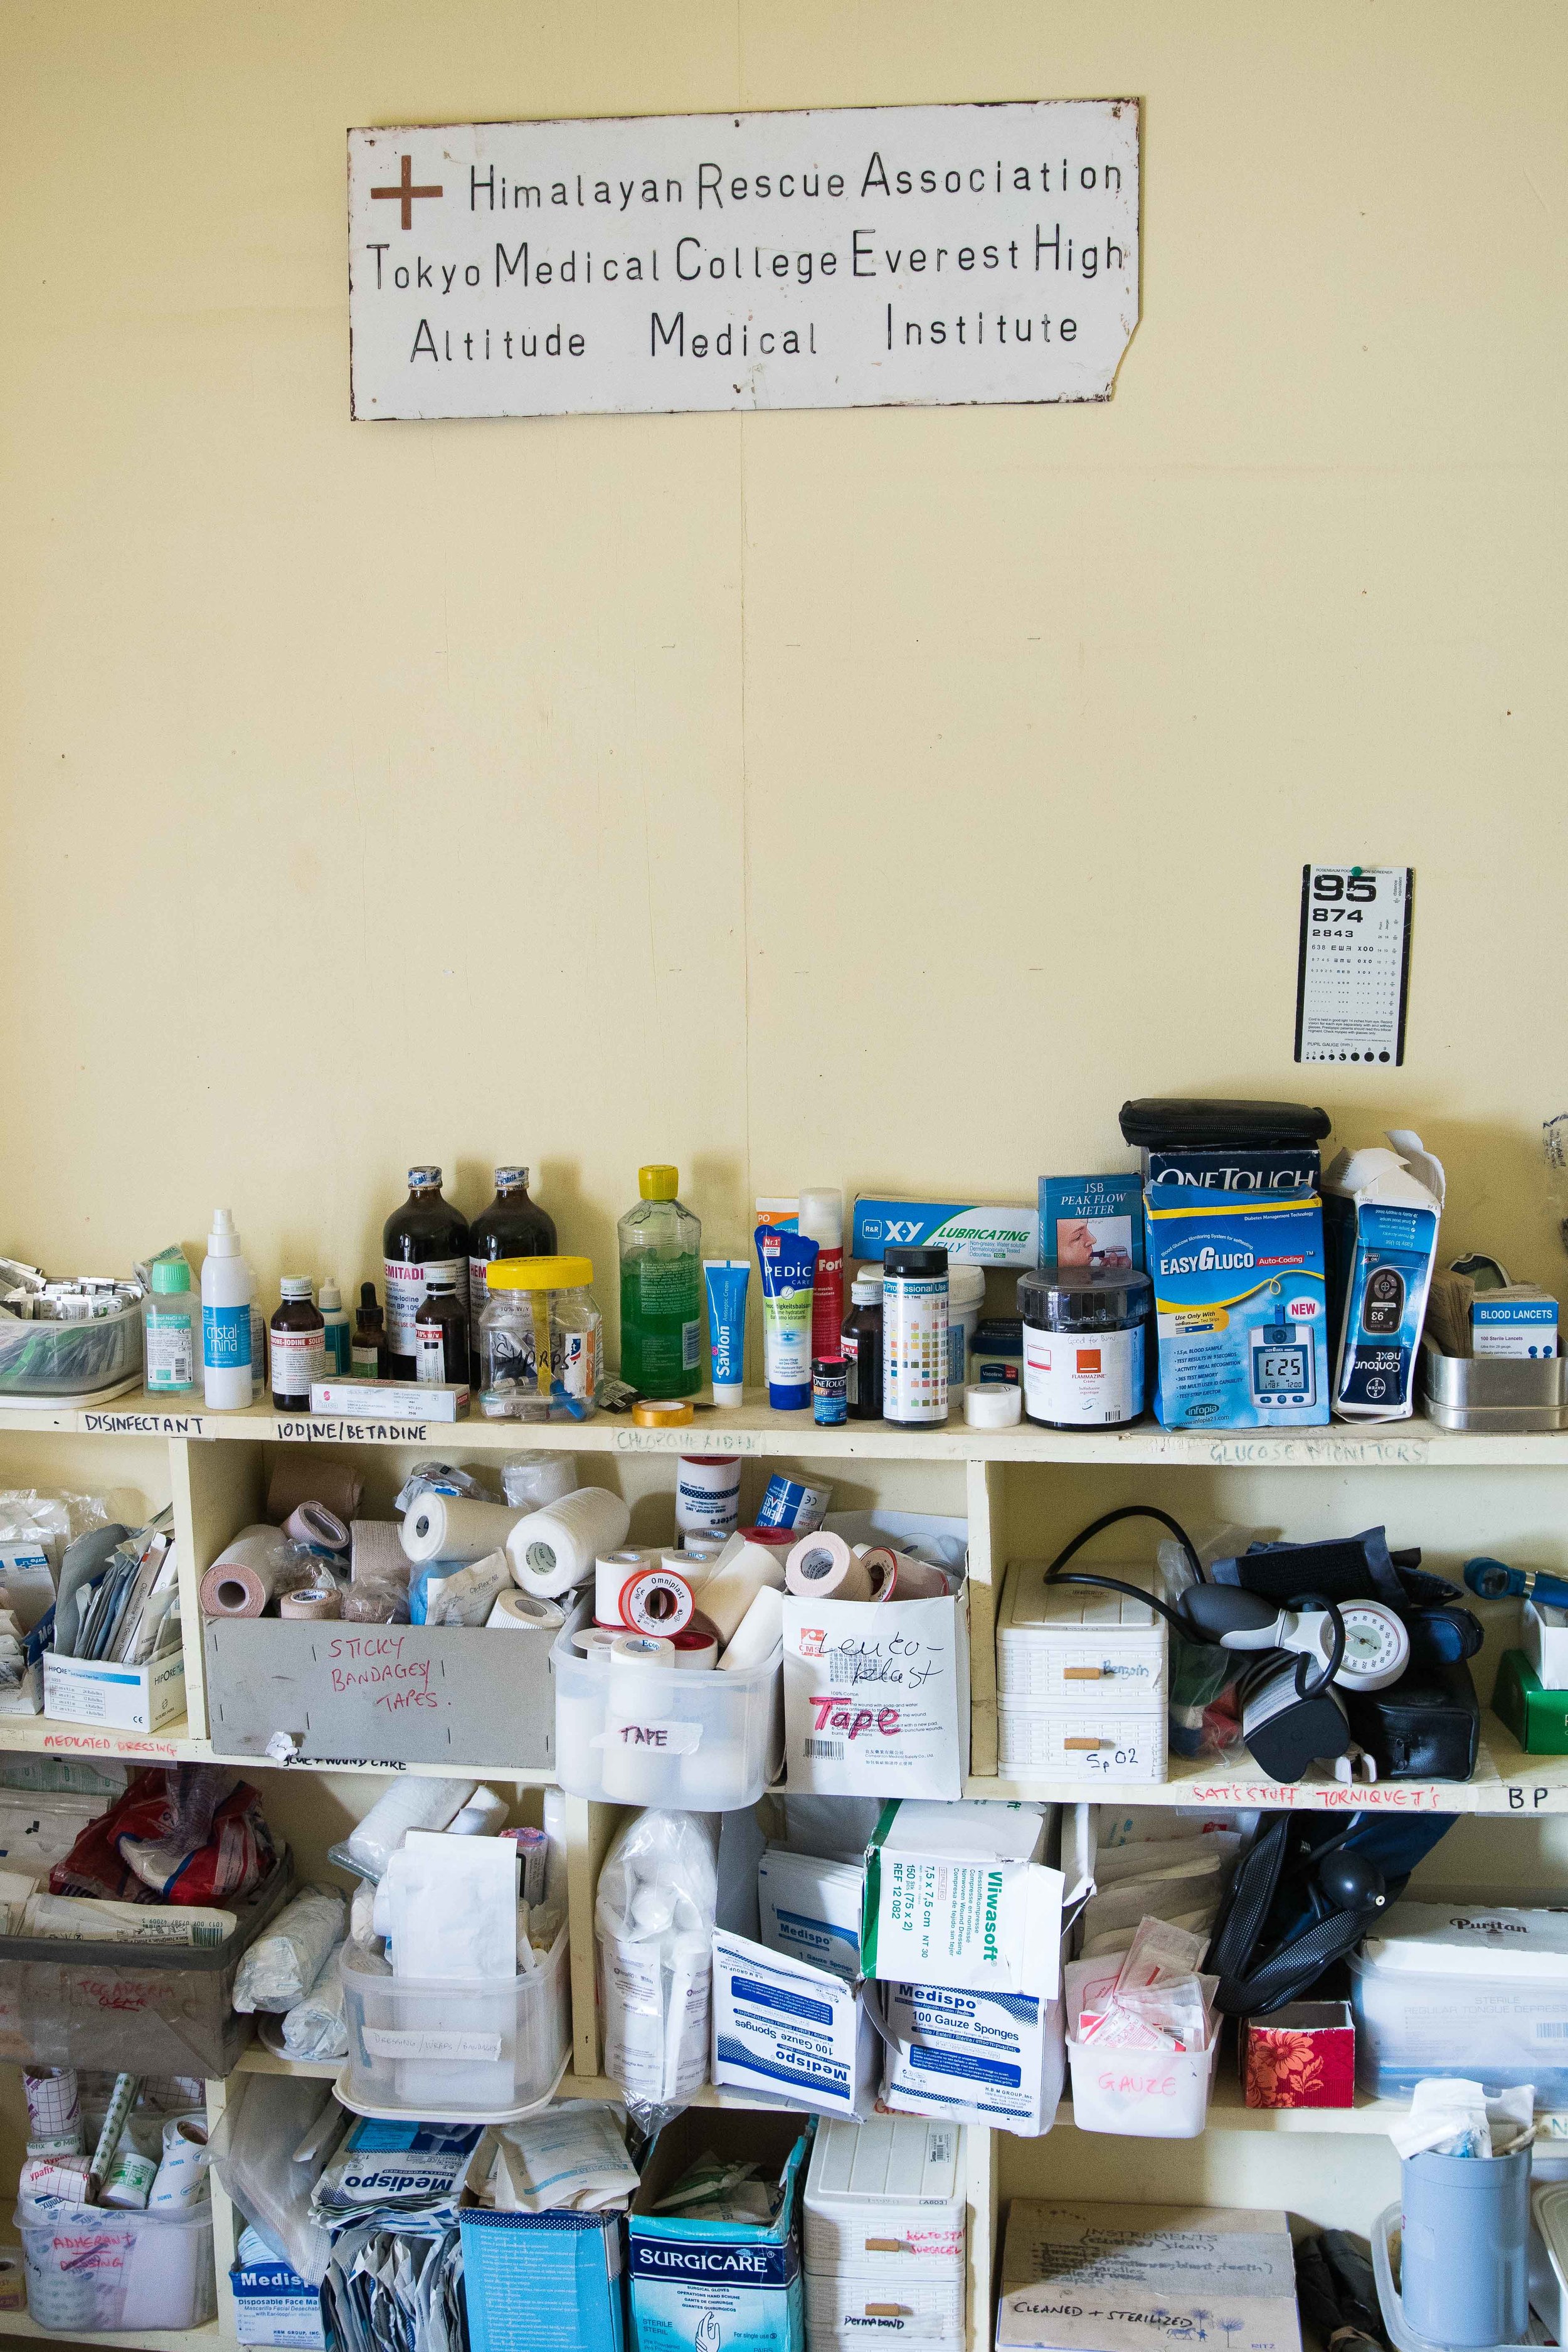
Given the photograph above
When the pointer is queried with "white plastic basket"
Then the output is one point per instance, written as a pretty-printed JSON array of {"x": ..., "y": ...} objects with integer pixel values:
[
  {"x": 702, "y": 1741},
  {"x": 97, "y": 2271},
  {"x": 455, "y": 2052},
  {"x": 1146, "y": 2094}
]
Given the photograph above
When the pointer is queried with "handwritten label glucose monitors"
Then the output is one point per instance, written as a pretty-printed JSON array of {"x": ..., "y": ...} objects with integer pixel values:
[{"x": 1352, "y": 972}]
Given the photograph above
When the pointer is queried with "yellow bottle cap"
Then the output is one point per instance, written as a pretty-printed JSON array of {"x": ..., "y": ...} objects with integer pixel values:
[
  {"x": 658, "y": 1182},
  {"x": 540, "y": 1274},
  {"x": 662, "y": 1412}
]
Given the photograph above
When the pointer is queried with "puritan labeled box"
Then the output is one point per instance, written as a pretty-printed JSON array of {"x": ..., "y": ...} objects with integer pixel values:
[
  {"x": 1115, "y": 2278},
  {"x": 698, "y": 2284},
  {"x": 1381, "y": 1210},
  {"x": 1463, "y": 1990},
  {"x": 956, "y": 1896},
  {"x": 336, "y": 1693},
  {"x": 791, "y": 2030},
  {"x": 877, "y": 1694},
  {"x": 121, "y": 1698}
]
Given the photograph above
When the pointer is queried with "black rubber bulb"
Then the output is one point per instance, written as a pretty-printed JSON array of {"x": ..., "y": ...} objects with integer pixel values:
[{"x": 1351, "y": 1883}]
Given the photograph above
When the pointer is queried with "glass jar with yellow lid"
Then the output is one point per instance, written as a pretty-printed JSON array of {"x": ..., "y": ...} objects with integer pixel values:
[{"x": 539, "y": 1340}]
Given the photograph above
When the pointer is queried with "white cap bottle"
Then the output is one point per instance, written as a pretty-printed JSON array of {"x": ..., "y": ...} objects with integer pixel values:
[
  {"x": 822, "y": 1222},
  {"x": 226, "y": 1289}
]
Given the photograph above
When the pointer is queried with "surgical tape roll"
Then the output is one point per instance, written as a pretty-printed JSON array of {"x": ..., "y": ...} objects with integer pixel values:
[
  {"x": 911, "y": 1579},
  {"x": 696, "y": 1645},
  {"x": 657, "y": 1600},
  {"x": 741, "y": 1571},
  {"x": 553, "y": 1550},
  {"x": 299, "y": 1475},
  {"x": 759, "y": 1633},
  {"x": 611, "y": 1570},
  {"x": 519, "y": 1612},
  {"x": 643, "y": 1761},
  {"x": 312, "y": 1601},
  {"x": 454, "y": 1527},
  {"x": 249, "y": 1572},
  {"x": 593, "y": 1640},
  {"x": 312, "y": 1523},
  {"x": 823, "y": 1567},
  {"x": 537, "y": 1477},
  {"x": 181, "y": 2178}
]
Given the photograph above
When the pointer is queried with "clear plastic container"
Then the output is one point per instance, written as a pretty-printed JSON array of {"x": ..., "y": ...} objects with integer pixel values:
[
  {"x": 99, "y": 2271},
  {"x": 704, "y": 1742},
  {"x": 481, "y": 2053},
  {"x": 1496, "y": 2028},
  {"x": 1145, "y": 2094},
  {"x": 49, "y": 1359},
  {"x": 535, "y": 1307}
]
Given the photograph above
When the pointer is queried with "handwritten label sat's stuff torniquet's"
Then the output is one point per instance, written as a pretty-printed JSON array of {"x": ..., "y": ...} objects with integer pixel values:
[{"x": 849, "y": 258}]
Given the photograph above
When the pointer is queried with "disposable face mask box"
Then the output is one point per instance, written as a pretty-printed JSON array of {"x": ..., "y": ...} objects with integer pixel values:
[
  {"x": 956, "y": 1894},
  {"x": 876, "y": 1694},
  {"x": 810, "y": 1910},
  {"x": 1239, "y": 1300},
  {"x": 1113, "y": 2278},
  {"x": 971, "y": 1235},
  {"x": 1380, "y": 1236},
  {"x": 124, "y": 1698},
  {"x": 1092, "y": 1221},
  {"x": 273, "y": 2304},
  {"x": 791, "y": 2030},
  {"x": 696, "y": 2284},
  {"x": 1462, "y": 1989},
  {"x": 542, "y": 2279}
]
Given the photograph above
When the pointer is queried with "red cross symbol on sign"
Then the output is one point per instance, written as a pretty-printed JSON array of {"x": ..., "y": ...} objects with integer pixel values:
[{"x": 405, "y": 192}]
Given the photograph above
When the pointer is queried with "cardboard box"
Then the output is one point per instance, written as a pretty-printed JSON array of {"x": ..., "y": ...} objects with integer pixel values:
[
  {"x": 701, "y": 2283},
  {"x": 996, "y": 2059},
  {"x": 1300, "y": 2056},
  {"x": 1518, "y": 1321},
  {"x": 877, "y": 1699},
  {"x": 971, "y": 1235},
  {"x": 1239, "y": 1308},
  {"x": 791, "y": 2030},
  {"x": 810, "y": 1910},
  {"x": 1544, "y": 1638},
  {"x": 533, "y": 2278},
  {"x": 273, "y": 2304},
  {"x": 1104, "y": 1212},
  {"x": 331, "y": 1693},
  {"x": 122, "y": 1698},
  {"x": 1537, "y": 1716},
  {"x": 391, "y": 1399},
  {"x": 1113, "y": 2278},
  {"x": 1379, "y": 1233},
  {"x": 956, "y": 1896}
]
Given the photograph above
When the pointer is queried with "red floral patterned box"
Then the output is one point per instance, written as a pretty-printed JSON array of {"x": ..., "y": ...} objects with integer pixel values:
[{"x": 1301, "y": 2056}]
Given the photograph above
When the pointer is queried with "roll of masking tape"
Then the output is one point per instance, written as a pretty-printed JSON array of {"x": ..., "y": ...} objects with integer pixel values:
[
  {"x": 821, "y": 1567},
  {"x": 662, "y": 1412},
  {"x": 758, "y": 1634},
  {"x": 656, "y": 1601},
  {"x": 311, "y": 1601},
  {"x": 595, "y": 1642},
  {"x": 519, "y": 1612},
  {"x": 642, "y": 1749},
  {"x": 993, "y": 1404},
  {"x": 741, "y": 1572}
]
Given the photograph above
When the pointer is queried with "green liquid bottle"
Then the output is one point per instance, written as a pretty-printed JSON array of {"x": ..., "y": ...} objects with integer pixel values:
[{"x": 661, "y": 1290}]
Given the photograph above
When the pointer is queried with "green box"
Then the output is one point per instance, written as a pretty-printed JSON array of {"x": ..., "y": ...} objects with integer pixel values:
[{"x": 1538, "y": 1718}]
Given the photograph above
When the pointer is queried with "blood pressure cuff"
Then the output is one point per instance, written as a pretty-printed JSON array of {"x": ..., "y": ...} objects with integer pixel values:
[
  {"x": 1274, "y": 1937},
  {"x": 1425, "y": 1726},
  {"x": 1362, "y": 1568}
]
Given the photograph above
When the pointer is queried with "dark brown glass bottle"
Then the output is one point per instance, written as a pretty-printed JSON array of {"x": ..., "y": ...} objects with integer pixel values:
[
  {"x": 367, "y": 1350},
  {"x": 298, "y": 1346},
  {"x": 512, "y": 1226},
  {"x": 862, "y": 1344},
  {"x": 425, "y": 1230},
  {"x": 440, "y": 1329}
]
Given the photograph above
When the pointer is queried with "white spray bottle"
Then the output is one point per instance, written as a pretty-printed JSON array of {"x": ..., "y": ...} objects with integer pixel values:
[{"x": 227, "y": 1285}]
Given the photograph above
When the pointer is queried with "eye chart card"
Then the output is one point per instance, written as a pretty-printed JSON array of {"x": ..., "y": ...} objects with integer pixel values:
[{"x": 1352, "y": 973}]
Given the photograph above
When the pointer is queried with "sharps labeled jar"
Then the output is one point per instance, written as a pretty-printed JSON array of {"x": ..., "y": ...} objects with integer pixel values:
[
  {"x": 539, "y": 1340},
  {"x": 914, "y": 1337},
  {"x": 1085, "y": 1332}
]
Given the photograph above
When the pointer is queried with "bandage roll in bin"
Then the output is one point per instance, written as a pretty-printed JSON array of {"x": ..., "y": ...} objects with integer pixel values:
[
  {"x": 1145, "y": 2094},
  {"x": 98, "y": 2270},
  {"x": 1463, "y": 1990},
  {"x": 636, "y": 1733},
  {"x": 140, "y": 2008},
  {"x": 451, "y": 2052}
]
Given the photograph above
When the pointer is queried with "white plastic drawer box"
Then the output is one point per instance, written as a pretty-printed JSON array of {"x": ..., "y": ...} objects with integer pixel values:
[
  {"x": 1085, "y": 1745},
  {"x": 849, "y": 2307},
  {"x": 885, "y": 2196},
  {"x": 1078, "y": 1643}
]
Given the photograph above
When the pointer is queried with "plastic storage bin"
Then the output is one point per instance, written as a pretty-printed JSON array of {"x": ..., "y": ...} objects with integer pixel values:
[
  {"x": 132, "y": 2007},
  {"x": 1463, "y": 1990},
  {"x": 48, "y": 1360},
  {"x": 98, "y": 2270},
  {"x": 1147, "y": 2093},
  {"x": 455, "y": 2052},
  {"x": 704, "y": 1742}
]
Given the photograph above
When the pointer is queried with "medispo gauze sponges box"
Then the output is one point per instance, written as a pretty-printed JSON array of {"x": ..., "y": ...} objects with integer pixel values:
[{"x": 1239, "y": 1298}]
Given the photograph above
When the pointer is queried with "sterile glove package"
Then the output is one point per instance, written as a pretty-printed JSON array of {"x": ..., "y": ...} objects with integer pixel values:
[
  {"x": 1239, "y": 1300},
  {"x": 1463, "y": 1990}
]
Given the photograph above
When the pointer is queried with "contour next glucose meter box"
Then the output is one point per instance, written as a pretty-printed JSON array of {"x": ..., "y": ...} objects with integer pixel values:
[
  {"x": 1379, "y": 1233},
  {"x": 1239, "y": 1302}
]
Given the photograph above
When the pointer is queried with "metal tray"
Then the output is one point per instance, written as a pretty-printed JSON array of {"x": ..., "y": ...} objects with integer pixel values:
[{"x": 1505, "y": 1393}]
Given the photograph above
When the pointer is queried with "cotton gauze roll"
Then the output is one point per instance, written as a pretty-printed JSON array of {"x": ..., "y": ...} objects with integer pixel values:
[
  {"x": 282, "y": 1965},
  {"x": 537, "y": 1477},
  {"x": 409, "y": 1804},
  {"x": 741, "y": 1571},
  {"x": 456, "y": 1528},
  {"x": 553, "y": 1550},
  {"x": 249, "y": 1571}
]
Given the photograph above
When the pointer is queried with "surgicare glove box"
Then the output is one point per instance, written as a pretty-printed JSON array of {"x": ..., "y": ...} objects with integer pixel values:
[{"x": 1461, "y": 1989}]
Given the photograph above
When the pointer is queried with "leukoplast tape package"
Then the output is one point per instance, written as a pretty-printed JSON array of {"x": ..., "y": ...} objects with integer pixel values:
[
  {"x": 1381, "y": 1210},
  {"x": 1240, "y": 1301}
]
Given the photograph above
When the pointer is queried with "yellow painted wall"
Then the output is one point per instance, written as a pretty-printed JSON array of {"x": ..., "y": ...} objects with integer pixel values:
[{"x": 873, "y": 798}]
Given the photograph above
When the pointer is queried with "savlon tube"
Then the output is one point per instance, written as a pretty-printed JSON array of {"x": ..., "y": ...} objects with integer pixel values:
[
  {"x": 726, "y": 1278},
  {"x": 788, "y": 1265}
]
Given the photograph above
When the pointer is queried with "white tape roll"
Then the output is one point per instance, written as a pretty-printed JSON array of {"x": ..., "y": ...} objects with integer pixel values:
[
  {"x": 993, "y": 1404},
  {"x": 181, "y": 2180},
  {"x": 553, "y": 1550},
  {"x": 823, "y": 1567},
  {"x": 611, "y": 1570},
  {"x": 455, "y": 1528},
  {"x": 519, "y": 1612},
  {"x": 759, "y": 1633},
  {"x": 596, "y": 1641},
  {"x": 642, "y": 1751},
  {"x": 741, "y": 1571}
]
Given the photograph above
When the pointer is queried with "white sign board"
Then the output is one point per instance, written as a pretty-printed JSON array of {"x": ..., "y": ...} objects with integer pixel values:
[{"x": 865, "y": 257}]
